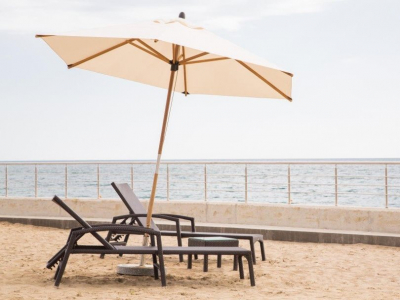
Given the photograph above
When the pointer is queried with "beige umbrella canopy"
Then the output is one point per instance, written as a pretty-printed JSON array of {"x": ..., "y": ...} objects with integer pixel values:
[{"x": 152, "y": 53}]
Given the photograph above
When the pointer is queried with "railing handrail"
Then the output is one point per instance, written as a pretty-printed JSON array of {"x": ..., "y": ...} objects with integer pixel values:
[
  {"x": 248, "y": 186},
  {"x": 208, "y": 162}
]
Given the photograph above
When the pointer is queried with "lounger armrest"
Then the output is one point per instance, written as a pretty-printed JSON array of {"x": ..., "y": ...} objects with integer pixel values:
[
  {"x": 157, "y": 216},
  {"x": 120, "y": 217},
  {"x": 116, "y": 228},
  {"x": 191, "y": 219}
]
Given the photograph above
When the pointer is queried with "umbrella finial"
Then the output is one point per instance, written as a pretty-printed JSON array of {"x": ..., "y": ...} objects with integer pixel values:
[{"x": 182, "y": 15}]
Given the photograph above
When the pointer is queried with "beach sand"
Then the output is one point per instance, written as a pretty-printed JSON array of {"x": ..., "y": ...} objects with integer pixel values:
[{"x": 292, "y": 271}]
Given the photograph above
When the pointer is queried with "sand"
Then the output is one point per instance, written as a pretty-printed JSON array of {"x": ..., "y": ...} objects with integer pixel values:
[{"x": 292, "y": 271}]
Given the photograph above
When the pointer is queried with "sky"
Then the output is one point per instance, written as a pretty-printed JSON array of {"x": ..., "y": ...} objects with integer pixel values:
[{"x": 344, "y": 54}]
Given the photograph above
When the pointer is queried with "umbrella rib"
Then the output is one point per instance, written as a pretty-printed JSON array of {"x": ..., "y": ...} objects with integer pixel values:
[
  {"x": 193, "y": 57},
  {"x": 152, "y": 49},
  {"x": 99, "y": 53},
  {"x": 265, "y": 80},
  {"x": 205, "y": 60},
  {"x": 184, "y": 71},
  {"x": 149, "y": 52},
  {"x": 287, "y": 73}
]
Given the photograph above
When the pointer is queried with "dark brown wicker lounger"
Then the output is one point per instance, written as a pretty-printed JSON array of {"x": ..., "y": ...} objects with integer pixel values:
[
  {"x": 76, "y": 234},
  {"x": 72, "y": 247},
  {"x": 137, "y": 213},
  {"x": 155, "y": 249}
]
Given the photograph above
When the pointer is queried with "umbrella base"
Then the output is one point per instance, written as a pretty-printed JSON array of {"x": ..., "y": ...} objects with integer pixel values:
[{"x": 135, "y": 270}]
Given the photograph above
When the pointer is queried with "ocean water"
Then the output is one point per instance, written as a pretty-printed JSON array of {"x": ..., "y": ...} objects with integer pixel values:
[{"x": 358, "y": 185}]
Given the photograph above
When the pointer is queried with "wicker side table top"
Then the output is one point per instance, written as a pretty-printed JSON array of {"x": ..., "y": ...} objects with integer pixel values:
[{"x": 212, "y": 242}]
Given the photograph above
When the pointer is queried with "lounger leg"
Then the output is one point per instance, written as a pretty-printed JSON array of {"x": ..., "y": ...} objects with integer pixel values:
[
  {"x": 58, "y": 256},
  {"x": 161, "y": 263},
  {"x": 180, "y": 245},
  {"x": 108, "y": 238},
  {"x": 189, "y": 265},
  {"x": 61, "y": 268},
  {"x": 126, "y": 238},
  {"x": 132, "y": 222},
  {"x": 70, "y": 245},
  {"x": 56, "y": 273},
  {"x": 253, "y": 251},
  {"x": 205, "y": 266},
  {"x": 235, "y": 263},
  {"x": 262, "y": 250},
  {"x": 127, "y": 235},
  {"x": 251, "y": 270},
  {"x": 162, "y": 269},
  {"x": 155, "y": 266},
  {"x": 196, "y": 257},
  {"x": 219, "y": 261},
  {"x": 241, "y": 273},
  {"x": 125, "y": 241}
]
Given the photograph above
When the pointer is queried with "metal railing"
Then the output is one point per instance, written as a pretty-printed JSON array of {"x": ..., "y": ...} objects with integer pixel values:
[{"x": 339, "y": 179}]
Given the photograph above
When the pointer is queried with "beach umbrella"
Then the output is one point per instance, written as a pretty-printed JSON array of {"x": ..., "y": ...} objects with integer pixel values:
[{"x": 152, "y": 53}]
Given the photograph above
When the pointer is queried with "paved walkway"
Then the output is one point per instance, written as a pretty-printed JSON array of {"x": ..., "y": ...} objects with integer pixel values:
[{"x": 290, "y": 234}]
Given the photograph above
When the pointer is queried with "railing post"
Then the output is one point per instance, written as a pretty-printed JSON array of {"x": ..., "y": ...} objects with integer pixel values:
[
  {"x": 167, "y": 182},
  {"x": 66, "y": 182},
  {"x": 245, "y": 184},
  {"x": 98, "y": 181},
  {"x": 6, "y": 182},
  {"x": 205, "y": 182},
  {"x": 288, "y": 182},
  {"x": 132, "y": 177},
  {"x": 386, "y": 188},
  {"x": 336, "y": 186},
  {"x": 36, "y": 180}
]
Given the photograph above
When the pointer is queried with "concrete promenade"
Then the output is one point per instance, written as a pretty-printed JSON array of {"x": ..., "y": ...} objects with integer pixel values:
[{"x": 322, "y": 224}]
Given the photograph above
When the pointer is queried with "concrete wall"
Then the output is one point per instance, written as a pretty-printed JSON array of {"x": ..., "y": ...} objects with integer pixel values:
[{"x": 313, "y": 217}]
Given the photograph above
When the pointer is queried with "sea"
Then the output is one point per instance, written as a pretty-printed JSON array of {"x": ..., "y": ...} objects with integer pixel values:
[{"x": 363, "y": 185}]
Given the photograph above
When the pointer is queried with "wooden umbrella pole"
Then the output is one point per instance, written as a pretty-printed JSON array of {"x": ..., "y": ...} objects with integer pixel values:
[
  {"x": 162, "y": 137},
  {"x": 174, "y": 68},
  {"x": 160, "y": 148},
  {"x": 155, "y": 178}
]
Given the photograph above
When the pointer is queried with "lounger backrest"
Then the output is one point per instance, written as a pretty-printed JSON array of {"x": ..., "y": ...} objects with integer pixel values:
[
  {"x": 132, "y": 202},
  {"x": 84, "y": 224}
]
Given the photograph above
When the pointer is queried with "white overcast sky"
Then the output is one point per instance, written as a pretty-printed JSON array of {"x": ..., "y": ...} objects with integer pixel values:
[{"x": 345, "y": 56}]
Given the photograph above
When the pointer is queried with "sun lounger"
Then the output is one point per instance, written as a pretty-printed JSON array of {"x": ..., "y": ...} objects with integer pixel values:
[
  {"x": 137, "y": 213},
  {"x": 106, "y": 247},
  {"x": 72, "y": 247},
  {"x": 155, "y": 249}
]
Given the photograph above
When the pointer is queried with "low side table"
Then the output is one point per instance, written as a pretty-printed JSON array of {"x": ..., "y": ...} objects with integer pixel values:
[{"x": 212, "y": 242}]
